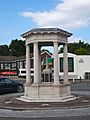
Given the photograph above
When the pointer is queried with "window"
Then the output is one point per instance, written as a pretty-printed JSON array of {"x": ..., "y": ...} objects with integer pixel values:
[
  {"x": 2, "y": 66},
  {"x": 7, "y": 66},
  {"x": 23, "y": 71},
  {"x": 70, "y": 64},
  {"x": 87, "y": 75},
  {"x": 21, "y": 64},
  {"x": 13, "y": 66}
]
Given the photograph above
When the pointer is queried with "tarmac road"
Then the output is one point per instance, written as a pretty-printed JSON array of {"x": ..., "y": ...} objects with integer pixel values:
[
  {"x": 51, "y": 118},
  {"x": 80, "y": 86},
  {"x": 82, "y": 113}
]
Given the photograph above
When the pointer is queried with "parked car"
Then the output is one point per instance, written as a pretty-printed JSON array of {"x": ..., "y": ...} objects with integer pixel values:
[{"x": 7, "y": 85}]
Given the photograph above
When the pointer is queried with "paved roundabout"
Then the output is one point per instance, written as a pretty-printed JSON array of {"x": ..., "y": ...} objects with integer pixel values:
[
  {"x": 11, "y": 101},
  {"x": 10, "y": 106}
]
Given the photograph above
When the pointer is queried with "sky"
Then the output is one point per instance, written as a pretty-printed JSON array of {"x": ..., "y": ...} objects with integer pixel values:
[{"x": 19, "y": 16}]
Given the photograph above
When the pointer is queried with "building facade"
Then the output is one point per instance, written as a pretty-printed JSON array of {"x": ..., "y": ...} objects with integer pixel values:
[
  {"x": 10, "y": 65},
  {"x": 78, "y": 66}
]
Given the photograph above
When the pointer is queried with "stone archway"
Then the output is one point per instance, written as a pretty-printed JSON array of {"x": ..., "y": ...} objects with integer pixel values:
[{"x": 48, "y": 91}]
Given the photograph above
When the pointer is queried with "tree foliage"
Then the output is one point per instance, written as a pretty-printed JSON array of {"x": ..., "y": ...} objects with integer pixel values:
[
  {"x": 80, "y": 51},
  {"x": 46, "y": 50},
  {"x": 16, "y": 48},
  {"x": 4, "y": 50},
  {"x": 78, "y": 48}
]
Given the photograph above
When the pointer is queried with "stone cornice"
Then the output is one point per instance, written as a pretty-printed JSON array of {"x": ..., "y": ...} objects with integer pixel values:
[{"x": 46, "y": 31}]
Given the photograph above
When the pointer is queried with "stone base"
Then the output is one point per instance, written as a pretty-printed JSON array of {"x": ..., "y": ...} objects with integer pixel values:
[
  {"x": 61, "y": 99},
  {"x": 47, "y": 92}
]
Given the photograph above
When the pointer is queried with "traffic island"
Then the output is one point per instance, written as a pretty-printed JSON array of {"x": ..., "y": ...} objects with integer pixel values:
[{"x": 14, "y": 104}]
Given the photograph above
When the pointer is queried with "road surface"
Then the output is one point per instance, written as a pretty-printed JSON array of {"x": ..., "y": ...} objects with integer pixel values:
[
  {"x": 51, "y": 118},
  {"x": 82, "y": 113}
]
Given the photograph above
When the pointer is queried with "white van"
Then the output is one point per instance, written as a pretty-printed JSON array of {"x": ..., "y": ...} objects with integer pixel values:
[{"x": 22, "y": 72}]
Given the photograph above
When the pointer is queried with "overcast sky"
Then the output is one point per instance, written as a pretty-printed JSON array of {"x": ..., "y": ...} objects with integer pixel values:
[{"x": 19, "y": 16}]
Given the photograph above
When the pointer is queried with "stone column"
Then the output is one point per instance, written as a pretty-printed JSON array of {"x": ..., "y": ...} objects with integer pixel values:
[
  {"x": 28, "y": 74},
  {"x": 56, "y": 72},
  {"x": 65, "y": 63},
  {"x": 36, "y": 63},
  {"x": 39, "y": 60}
]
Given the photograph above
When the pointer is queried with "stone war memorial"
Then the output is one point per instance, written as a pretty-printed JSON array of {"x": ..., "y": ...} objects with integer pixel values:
[{"x": 47, "y": 90}]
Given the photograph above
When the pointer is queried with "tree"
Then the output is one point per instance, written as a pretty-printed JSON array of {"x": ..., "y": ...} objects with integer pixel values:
[
  {"x": 4, "y": 50},
  {"x": 80, "y": 51},
  {"x": 79, "y": 48},
  {"x": 46, "y": 50},
  {"x": 17, "y": 48}
]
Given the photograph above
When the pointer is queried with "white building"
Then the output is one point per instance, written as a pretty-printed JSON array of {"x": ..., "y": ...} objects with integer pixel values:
[{"x": 78, "y": 66}]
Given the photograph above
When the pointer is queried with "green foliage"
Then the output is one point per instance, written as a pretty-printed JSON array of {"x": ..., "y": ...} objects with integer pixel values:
[
  {"x": 4, "y": 50},
  {"x": 79, "y": 48},
  {"x": 46, "y": 50},
  {"x": 17, "y": 48},
  {"x": 80, "y": 51}
]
